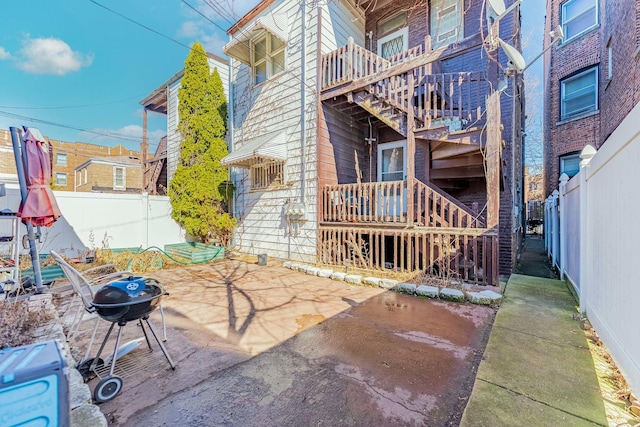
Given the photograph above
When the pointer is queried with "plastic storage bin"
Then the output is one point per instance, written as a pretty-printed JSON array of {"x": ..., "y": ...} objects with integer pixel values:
[{"x": 34, "y": 386}]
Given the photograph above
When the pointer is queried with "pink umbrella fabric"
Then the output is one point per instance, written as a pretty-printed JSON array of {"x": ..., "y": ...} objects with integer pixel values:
[{"x": 40, "y": 207}]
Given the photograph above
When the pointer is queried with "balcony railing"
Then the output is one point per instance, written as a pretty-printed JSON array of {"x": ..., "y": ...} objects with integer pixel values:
[{"x": 388, "y": 203}]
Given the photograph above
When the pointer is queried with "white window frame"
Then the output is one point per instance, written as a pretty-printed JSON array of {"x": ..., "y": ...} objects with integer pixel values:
[
  {"x": 269, "y": 54},
  {"x": 59, "y": 157},
  {"x": 564, "y": 21},
  {"x": 565, "y": 158},
  {"x": 60, "y": 177},
  {"x": 86, "y": 173},
  {"x": 402, "y": 32},
  {"x": 388, "y": 146},
  {"x": 435, "y": 20},
  {"x": 563, "y": 113},
  {"x": 124, "y": 178}
]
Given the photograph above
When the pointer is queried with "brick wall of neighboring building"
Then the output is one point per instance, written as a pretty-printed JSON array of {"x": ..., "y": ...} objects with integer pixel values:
[
  {"x": 616, "y": 95},
  {"x": 77, "y": 153},
  {"x": 7, "y": 160},
  {"x": 100, "y": 177}
]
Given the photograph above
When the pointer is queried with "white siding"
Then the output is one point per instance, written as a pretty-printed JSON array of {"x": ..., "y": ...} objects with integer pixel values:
[
  {"x": 173, "y": 136},
  {"x": 276, "y": 105}
]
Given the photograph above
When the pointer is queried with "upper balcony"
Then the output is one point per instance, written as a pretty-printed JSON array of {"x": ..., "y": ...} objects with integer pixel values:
[{"x": 407, "y": 84}]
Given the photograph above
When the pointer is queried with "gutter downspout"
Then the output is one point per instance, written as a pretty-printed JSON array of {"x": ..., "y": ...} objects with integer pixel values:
[{"x": 303, "y": 100}]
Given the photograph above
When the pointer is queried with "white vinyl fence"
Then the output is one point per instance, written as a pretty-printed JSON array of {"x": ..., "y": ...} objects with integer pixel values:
[
  {"x": 99, "y": 220},
  {"x": 593, "y": 239}
]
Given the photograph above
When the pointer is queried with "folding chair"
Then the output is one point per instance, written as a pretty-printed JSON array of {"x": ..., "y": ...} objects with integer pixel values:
[{"x": 86, "y": 286}]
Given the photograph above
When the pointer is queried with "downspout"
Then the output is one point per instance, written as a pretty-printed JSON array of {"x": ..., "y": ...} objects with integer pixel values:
[
  {"x": 230, "y": 112},
  {"x": 303, "y": 101}
]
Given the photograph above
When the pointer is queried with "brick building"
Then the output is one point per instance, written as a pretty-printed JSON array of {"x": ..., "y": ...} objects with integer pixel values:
[
  {"x": 591, "y": 78},
  {"x": 65, "y": 157},
  {"x": 109, "y": 174}
]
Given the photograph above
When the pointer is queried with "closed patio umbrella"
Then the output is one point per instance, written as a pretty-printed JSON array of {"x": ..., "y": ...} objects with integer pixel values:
[{"x": 40, "y": 207}]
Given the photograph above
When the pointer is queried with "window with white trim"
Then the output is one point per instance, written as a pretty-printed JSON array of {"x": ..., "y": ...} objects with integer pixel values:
[
  {"x": 267, "y": 57},
  {"x": 393, "y": 35},
  {"x": 119, "y": 178},
  {"x": 61, "y": 159},
  {"x": 86, "y": 173},
  {"x": 61, "y": 179},
  {"x": 570, "y": 164},
  {"x": 579, "y": 93},
  {"x": 577, "y": 17},
  {"x": 266, "y": 173},
  {"x": 446, "y": 22}
]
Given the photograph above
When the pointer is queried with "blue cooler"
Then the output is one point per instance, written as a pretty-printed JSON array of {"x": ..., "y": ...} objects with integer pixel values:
[{"x": 34, "y": 386}]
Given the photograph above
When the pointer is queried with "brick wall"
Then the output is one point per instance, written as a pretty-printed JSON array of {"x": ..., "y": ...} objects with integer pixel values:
[
  {"x": 616, "y": 95},
  {"x": 100, "y": 177}
]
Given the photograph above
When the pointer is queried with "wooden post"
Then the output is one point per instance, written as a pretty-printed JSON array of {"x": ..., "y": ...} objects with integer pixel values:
[
  {"x": 411, "y": 150},
  {"x": 492, "y": 159},
  {"x": 144, "y": 148}
]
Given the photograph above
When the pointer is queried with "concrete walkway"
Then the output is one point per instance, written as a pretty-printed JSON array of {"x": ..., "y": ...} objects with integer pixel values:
[{"x": 537, "y": 369}]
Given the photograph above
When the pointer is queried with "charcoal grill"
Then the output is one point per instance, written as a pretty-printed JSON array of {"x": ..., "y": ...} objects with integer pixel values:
[{"x": 119, "y": 302}]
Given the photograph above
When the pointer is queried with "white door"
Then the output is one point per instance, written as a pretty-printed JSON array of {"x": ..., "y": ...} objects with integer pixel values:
[{"x": 392, "y": 166}]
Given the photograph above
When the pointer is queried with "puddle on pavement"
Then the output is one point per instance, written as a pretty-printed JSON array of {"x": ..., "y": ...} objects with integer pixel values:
[{"x": 399, "y": 343}]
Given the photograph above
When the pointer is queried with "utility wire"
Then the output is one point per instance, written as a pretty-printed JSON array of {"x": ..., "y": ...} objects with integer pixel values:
[
  {"x": 140, "y": 24},
  {"x": 62, "y": 107},
  {"x": 66, "y": 126}
]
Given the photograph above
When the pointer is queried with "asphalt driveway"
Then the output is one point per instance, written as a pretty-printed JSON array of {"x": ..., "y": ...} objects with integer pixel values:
[{"x": 267, "y": 346}]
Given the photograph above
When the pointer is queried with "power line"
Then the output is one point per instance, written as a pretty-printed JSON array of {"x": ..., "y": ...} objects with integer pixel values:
[
  {"x": 66, "y": 126},
  {"x": 12, "y": 107},
  {"x": 140, "y": 24}
]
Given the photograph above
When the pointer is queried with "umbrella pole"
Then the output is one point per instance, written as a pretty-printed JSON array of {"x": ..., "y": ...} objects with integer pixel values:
[{"x": 16, "y": 139}]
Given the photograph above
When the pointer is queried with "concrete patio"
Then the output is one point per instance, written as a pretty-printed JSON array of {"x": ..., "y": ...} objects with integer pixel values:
[{"x": 270, "y": 346}]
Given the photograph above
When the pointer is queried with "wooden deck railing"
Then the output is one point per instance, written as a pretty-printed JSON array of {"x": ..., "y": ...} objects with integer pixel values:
[
  {"x": 466, "y": 254},
  {"x": 433, "y": 96},
  {"x": 387, "y": 203},
  {"x": 436, "y": 96},
  {"x": 348, "y": 63}
]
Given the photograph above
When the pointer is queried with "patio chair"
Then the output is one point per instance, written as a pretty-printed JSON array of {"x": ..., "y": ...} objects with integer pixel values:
[{"x": 85, "y": 285}]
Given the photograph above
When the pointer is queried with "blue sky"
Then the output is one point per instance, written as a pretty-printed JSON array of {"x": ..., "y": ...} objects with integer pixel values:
[{"x": 77, "y": 54}]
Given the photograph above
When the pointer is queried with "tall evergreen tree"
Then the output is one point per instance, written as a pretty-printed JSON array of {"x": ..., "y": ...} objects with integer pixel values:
[{"x": 194, "y": 190}]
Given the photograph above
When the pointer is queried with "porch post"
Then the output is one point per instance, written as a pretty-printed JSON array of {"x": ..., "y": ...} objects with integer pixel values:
[
  {"x": 411, "y": 150},
  {"x": 144, "y": 148},
  {"x": 492, "y": 159}
]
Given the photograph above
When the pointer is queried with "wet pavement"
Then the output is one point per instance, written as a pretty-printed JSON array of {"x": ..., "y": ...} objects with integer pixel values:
[{"x": 270, "y": 346}]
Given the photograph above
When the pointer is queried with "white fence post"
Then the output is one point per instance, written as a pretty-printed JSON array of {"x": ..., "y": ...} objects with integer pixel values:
[
  {"x": 547, "y": 225},
  {"x": 564, "y": 178},
  {"x": 555, "y": 237},
  {"x": 586, "y": 154}
]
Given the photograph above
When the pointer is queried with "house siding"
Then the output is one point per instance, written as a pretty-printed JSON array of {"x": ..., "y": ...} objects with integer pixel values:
[
  {"x": 262, "y": 225},
  {"x": 173, "y": 135}
]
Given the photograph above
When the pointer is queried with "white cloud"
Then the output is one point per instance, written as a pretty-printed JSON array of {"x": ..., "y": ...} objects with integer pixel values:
[
  {"x": 4, "y": 54},
  {"x": 51, "y": 56}
]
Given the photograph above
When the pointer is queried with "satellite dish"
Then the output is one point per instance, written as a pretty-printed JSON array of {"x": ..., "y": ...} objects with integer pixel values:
[
  {"x": 514, "y": 56},
  {"x": 497, "y": 7}
]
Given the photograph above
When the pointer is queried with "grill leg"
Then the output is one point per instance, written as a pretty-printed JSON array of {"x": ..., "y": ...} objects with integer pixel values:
[
  {"x": 115, "y": 351},
  {"x": 164, "y": 350},
  {"x": 164, "y": 325},
  {"x": 146, "y": 337},
  {"x": 104, "y": 342}
]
